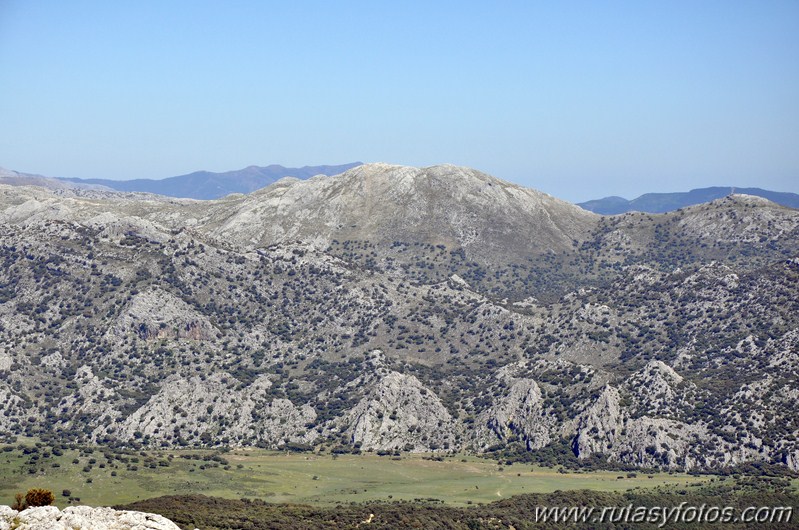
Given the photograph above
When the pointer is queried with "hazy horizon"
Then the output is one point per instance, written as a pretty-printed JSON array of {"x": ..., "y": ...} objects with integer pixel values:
[{"x": 579, "y": 100}]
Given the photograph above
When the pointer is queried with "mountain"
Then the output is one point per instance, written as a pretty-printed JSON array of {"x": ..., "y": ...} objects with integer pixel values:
[
  {"x": 403, "y": 309},
  {"x": 668, "y": 202},
  {"x": 489, "y": 219},
  {"x": 207, "y": 185}
]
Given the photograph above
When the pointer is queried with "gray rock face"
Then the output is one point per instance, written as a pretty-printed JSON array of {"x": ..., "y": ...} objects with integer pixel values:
[
  {"x": 600, "y": 426},
  {"x": 400, "y": 413},
  {"x": 520, "y": 413},
  {"x": 792, "y": 461},
  {"x": 607, "y": 428},
  {"x": 659, "y": 442},
  {"x": 83, "y": 517},
  {"x": 157, "y": 315},
  {"x": 199, "y": 402},
  {"x": 658, "y": 390}
]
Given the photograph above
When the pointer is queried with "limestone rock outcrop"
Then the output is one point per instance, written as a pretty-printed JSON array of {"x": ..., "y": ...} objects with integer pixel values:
[{"x": 81, "y": 517}]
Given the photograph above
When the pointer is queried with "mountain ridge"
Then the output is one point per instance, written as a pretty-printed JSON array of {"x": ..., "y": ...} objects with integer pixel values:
[
  {"x": 667, "y": 202},
  {"x": 16, "y": 178},
  {"x": 205, "y": 185}
]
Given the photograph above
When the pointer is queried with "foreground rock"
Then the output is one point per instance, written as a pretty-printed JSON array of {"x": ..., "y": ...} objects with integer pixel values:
[{"x": 51, "y": 518}]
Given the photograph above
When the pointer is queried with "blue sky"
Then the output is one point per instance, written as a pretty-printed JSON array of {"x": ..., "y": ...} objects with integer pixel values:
[{"x": 578, "y": 99}]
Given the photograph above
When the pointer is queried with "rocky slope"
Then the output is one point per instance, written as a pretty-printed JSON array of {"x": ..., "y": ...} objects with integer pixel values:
[{"x": 393, "y": 308}]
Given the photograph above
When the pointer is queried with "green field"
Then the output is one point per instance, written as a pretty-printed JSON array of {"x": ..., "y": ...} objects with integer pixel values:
[{"x": 99, "y": 478}]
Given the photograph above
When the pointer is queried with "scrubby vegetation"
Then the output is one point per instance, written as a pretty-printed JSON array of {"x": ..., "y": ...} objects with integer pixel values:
[
  {"x": 34, "y": 497},
  {"x": 210, "y": 513},
  {"x": 39, "y": 497}
]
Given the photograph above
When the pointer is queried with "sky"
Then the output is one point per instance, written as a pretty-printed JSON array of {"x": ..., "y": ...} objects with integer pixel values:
[{"x": 578, "y": 99}]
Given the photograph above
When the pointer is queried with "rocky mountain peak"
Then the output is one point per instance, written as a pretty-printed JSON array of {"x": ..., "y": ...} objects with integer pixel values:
[{"x": 440, "y": 205}]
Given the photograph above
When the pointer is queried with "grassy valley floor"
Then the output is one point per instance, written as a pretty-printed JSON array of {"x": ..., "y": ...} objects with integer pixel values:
[
  {"x": 107, "y": 478},
  {"x": 257, "y": 489}
]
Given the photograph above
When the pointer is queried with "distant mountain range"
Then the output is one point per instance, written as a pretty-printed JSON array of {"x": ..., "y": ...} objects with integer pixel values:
[
  {"x": 16, "y": 178},
  {"x": 668, "y": 202},
  {"x": 208, "y": 185}
]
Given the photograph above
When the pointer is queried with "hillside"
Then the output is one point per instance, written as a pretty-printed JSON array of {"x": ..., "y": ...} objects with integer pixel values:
[{"x": 392, "y": 308}]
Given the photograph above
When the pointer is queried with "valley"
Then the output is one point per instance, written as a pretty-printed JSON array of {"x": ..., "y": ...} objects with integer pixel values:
[{"x": 102, "y": 477}]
